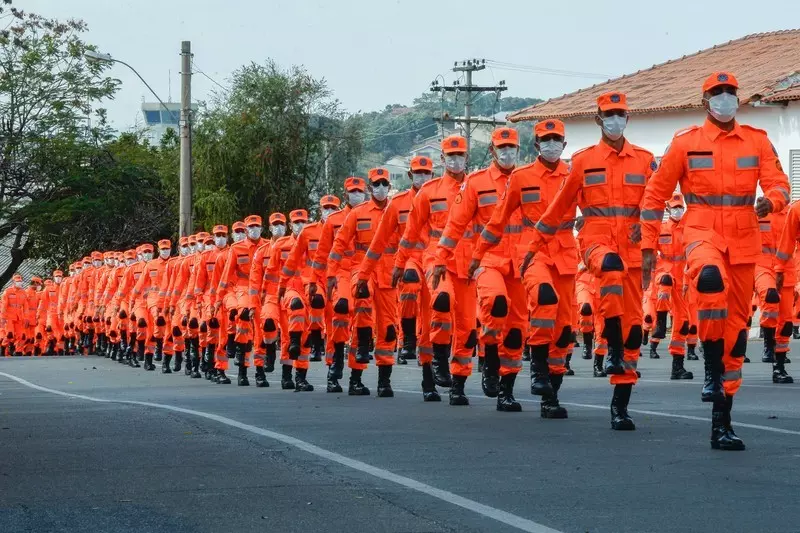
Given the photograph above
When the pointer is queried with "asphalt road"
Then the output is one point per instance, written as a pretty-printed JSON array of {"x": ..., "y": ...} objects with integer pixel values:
[{"x": 165, "y": 453}]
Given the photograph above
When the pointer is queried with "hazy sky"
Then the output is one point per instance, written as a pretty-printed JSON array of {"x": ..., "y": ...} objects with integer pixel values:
[{"x": 375, "y": 52}]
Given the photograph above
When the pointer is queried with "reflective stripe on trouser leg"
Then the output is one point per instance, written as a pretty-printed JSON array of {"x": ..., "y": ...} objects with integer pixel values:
[
  {"x": 564, "y": 285},
  {"x": 244, "y": 328},
  {"x": 785, "y": 315},
  {"x": 632, "y": 288},
  {"x": 464, "y": 310},
  {"x": 424, "y": 344},
  {"x": 542, "y": 323},
  {"x": 229, "y": 302},
  {"x": 680, "y": 315},
  {"x": 491, "y": 286},
  {"x": 664, "y": 293},
  {"x": 442, "y": 321},
  {"x": 741, "y": 279},
  {"x": 328, "y": 333},
  {"x": 611, "y": 286},
  {"x": 385, "y": 303},
  {"x": 712, "y": 308},
  {"x": 363, "y": 309},
  {"x": 511, "y": 347},
  {"x": 410, "y": 294},
  {"x": 770, "y": 311},
  {"x": 340, "y": 323}
]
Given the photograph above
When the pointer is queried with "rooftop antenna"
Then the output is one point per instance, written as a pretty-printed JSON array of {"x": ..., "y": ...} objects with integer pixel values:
[{"x": 169, "y": 85}]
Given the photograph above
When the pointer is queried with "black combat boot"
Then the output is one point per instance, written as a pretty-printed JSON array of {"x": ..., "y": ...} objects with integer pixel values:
[
  {"x": 588, "y": 345},
  {"x": 301, "y": 383},
  {"x": 678, "y": 371},
  {"x": 654, "y": 350},
  {"x": 457, "y": 396},
  {"x": 178, "y": 361},
  {"x": 779, "y": 374},
  {"x": 148, "y": 362},
  {"x": 598, "y": 367},
  {"x": 315, "y": 342},
  {"x": 385, "y": 382},
  {"x": 712, "y": 359},
  {"x": 272, "y": 355},
  {"x": 550, "y": 407},
  {"x": 364, "y": 336},
  {"x": 540, "y": 371},
  {"x": 691, "y": 354},
  {"x": 645, "y": 337},
  {"x": 505, "y": 396},
  {"x": 620, "y": 420},
  {"x": 613, "y": 334},
  {"x": 333, "y": 383},
  {"x": 408, "y": 351},
  {"x": 286, "y": 378},
  {"x": 139, "y": 354},
  {"x": 526, "y": 353},
  {"x": 241, "y": 379},
  {"x": 769, "y": 345},
  {"x": 441, "y": 365},
  {"x": 429, "y": 392},
  {"x": 490, "y": 380},
  {"x": 195, "y": 359},
  {"x": 222, "y": 379},
  {"x": 165, "y": 369},
  {"x": 337, "y": 368},
  {"x": 295, "y": 342},
  {"x": 357, "y": 388},
  {"x": 567, "y": 360},
  {"x": 796, "y": 332},
  {"x": 722, "y": 434},
  {"x": 159, "y": 355},
  {"x": 261, "y": 377}
]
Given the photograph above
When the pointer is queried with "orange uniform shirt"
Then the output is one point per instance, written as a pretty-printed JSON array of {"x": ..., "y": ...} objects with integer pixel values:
[{"x": 385, "y": 242}]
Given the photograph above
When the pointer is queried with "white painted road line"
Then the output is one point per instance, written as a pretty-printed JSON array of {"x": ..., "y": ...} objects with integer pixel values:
[{"x": 518, "y": 522}]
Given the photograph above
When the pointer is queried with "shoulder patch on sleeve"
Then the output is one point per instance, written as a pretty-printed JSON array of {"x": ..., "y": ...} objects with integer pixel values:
[
  {"x": 751, "y": 128},
  {"x": 653, "y": 165},
  {"x": 578, "y": 152},
  {"x": 685, "y": 130}
]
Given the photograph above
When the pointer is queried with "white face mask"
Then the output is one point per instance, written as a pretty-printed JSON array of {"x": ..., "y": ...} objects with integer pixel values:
[
  {"x": 198, "y": 247},
  {"x": 455, "y": 164},
  {"x": 614, "y": 126},
  {"x": 326, "y": 212},
  {"x": 254, "y": 232},
  {"x": 97, "y": 263},
  {"x": 297, "y": 227},
  {"x": 380, "y": 192},
  {"x": 209, "y": 247},
  {"x": 277, "y": 230},
  {"x": 18, "y": 284},
  {"x": 506, "y": 157},
  {"x": 356, "y": 197},
  {"x": 164, "y": 254},
  {"x": 239, "y": 236},
  {"x": 57, "y": 279},
  {"x": 551, "y": 150},
  {"x": 147, "y": 256},
  {"x": 723, "y": 106},
  {"x": 418, "y": 179},
  {"x": 110, "y": 262},
  {"x": 129, "y": 262},
  {"x": 220, "y": 241},
  {"x": 675, "y": 213}
]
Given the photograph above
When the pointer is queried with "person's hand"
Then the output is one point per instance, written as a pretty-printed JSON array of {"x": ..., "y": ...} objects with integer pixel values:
[
  {"x": 635, "y": 234},
  {"x": 779, "y": 278},
  {"x": 312, "y": 289},
  {"x": 361, "y": 287},
  {"x": 648, "y": 265},
  {"x": 579, "y": 222},
  {"x": 331, "y": 286},
  {"x": 439, "y": 272},
  {"x": 397, "y": 273},
  {"x": 526, "y": 262},
  {"x": 473, "y": 266},
  {"x": 763, "y": 207}
]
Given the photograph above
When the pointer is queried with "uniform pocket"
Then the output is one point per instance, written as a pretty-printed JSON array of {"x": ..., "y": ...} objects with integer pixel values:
[{"x": 595, "y": 186}]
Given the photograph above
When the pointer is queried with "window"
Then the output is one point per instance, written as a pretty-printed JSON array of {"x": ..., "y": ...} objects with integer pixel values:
[
  {"x": 794, "y": 173},
  {"x": 152, "y": 117},
  {"x": 170, "y": 117}
]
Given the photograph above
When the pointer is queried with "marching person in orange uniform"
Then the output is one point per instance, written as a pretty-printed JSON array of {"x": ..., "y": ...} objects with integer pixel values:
[
  {"x": 48, "y": 315},
  {"x": 113, "y": 323},
  {"x": 233, "y": 290},
  {"x": 299, "y": 268},
  {"x": 414, "y": 300},
  {"x": 339, "y": 306},
  {"x": 150, "y": 293},
  {"x": 219, "y": 321},
  {"x": 608, "y": 181},
  {"x": 179, "y": 270},
  {"x": 784, "y": 227},
  {"x": 719, "y": 166},
  {"x": 500, "y": 295},
  {"x": 128, "y": 303},
  {"x": 86, "y": 305},
  {"x": 375, "y": 303},
  {"x": 294, "y": 306},
  {"x": 586, "y": 294},
  {"x": 453, "y": 299},
  {"x": 13, "y": 313},
  {"x": 549, "y": 280},
  {"x": 669, "y": 286},
  {"x": 103, "y": 276},
  {"x": 263, "y": 291},
  {"x": 33, "y": 294},
  {"x": 767, "y": 297},
  {"x": 65, "y": 304},
  {"x": 186, "y": 304},
  {"x": 119, "y": 303}
]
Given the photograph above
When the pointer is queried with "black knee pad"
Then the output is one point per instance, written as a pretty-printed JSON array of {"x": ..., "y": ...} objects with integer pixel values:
[
  {"x": 740, "y": 347},
  {"x": 317, "y": 302},
  {"x": 499, "y": 307},
  {"x": 666, "y": 280},
  {"x": 362, "y": 292},
  {"x": 693, "y": 330},
  {"x": 160, "y": 322},
  {"x": 193, "y": 323},
  {"x": 710, "y": 280},
  {"x": 513, "y": 340},
  {"x": 142, "y": 323},
  {"x": 269, "y": 325},
  {"x": 634, "y": 340},
  {"x": 547, "y": 295},
  {"x": 648, "y": 319},
  {"x": 772, "y": 296},
  {"x": 786, "y": 329},
  {"x": 612, "y": 263},
  {"x": 296, "y": 304},
  {"x": 565, "y": 339},
  {"x": 213, "y": 323},
  {"x": 245, "y": 314},
  {"x": 442, "y": 303},
  {"x": 586, "y": 309},
  {"x": 176, "y": 331},
  {"x": 341, "y": 307},
  {"x": 391, "y": 334},
  {"x": 472, "y": 340},
  {"x": 232, "y": 314},
  {"x": 203, "y": 328},
  {"x": 684, "y": 328},
  {"x": 48, "y": 329},
  {"x": 410, "y": 276}
]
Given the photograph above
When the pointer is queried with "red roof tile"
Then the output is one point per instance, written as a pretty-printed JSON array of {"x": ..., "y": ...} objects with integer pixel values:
[{"x": 762, "y": 63}]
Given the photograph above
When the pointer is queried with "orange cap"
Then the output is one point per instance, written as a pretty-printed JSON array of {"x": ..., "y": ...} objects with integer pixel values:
[
  {"x": 549, "y": 127},
  {"x": 87, "y": 260},
  {"x": 220, "y": 229},
  {"x": 147, "y": 248},
  {"x": 252, "y": 220},
  {"x": 454, "y": 143},
  {"x": 97, "y": 255},
  {"x": 108, "y": 255},
  {"x": 239, "y": 226},
  {"x": 48, "y": 282},
  {"x": 720, "y": 78},
  {"x": 421, "y": 162},
  {"x": 17, "y": 277},
  {"x": 676, "y": 200},
  {"x": 203, "y": 236},
  {"x": 299, "y": 215},
  {"x": 377, "y": 174},
  {"x": 329, "y": 200},
  {"x": 277, "y": 218},
  {"x": 183, "y": 241},
  {"x": 354, "y": 183},
  {"x": 36, "y": 279},
  {"x": 130, "y": 254},
  {"x": 58, "y": 273},
  {"x": 504, "y": 135},
  {"x": 612, "y": 100},
  {"x": 164, "y": 244}
]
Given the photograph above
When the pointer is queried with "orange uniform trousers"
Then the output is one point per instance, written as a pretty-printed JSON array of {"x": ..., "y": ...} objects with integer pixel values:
[
  {"x": 503, "y": 327},
  {"x": 415, "y": 302},
  {"x": 770, "y": 308},
  {"x": 379, "y": 312},
  {"x": 455, "y": 323},
  {"x": 294, "y": 319}
]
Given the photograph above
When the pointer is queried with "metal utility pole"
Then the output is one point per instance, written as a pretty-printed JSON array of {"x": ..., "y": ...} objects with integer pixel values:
[
  {"x": 185, "y": 206},
  {"x": 468, "y": 67}
]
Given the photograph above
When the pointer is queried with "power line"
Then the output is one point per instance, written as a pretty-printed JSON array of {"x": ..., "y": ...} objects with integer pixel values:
[
  {"x": 503, "y": 65},
  {"x": 212, "y": 80}
]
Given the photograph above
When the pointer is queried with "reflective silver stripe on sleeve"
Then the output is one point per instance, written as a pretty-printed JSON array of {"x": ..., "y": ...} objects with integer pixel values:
[
  {"x": 768, "y": 250},
  {"x": 568, "y": 225},
  {"x": 712, "y": 314},
  {"x": 390, "y": 251},
  {"x": 544, "y": 228},
  {"x": 748, "y": 161},
  {"x": 447, "y": 242},
  {"x": 513, "y": 229},
  {"x": 487, "y": 199},
  {"x": 594, "y": 179},
  {"x": 785, "y": 194},
  {"x": 528, "y": 223},
  {"x": 611, "y": 289},
  {"x": 614, "y": 211},
  {"x": 435, "y": 233},
  {"x": 726, "y": 200},
  {"x": 528, "y": 197},
  {"x": 288, "y": 272},
  {"x": 318, "y": 266},
  {"x": 406, "y": 244},
  {"x": 372, "y": 255},
  {"x": 335, "y": 256},
  {"x": 634, "y": 179},
  {"x": 490, "y": 237},
  {"x": 782, "y": 256},
  {"x": 362, "y": 247},
  {"x": 652, "y": 214},
  {"x": 699, "y": 163}
]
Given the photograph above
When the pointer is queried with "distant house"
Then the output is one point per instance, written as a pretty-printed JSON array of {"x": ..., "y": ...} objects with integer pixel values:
[
  {"x": 667, "y": 97},
  {"x": 28, "y": 268}
]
